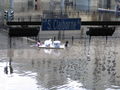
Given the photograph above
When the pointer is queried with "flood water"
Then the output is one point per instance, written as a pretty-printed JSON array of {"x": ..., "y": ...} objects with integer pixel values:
[{"x": 81, "y": 66}]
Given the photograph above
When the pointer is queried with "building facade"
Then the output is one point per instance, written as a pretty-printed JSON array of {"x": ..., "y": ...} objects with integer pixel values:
[
  {"x": 26, "y": 5},
  {"x": 77, "y": 8}
]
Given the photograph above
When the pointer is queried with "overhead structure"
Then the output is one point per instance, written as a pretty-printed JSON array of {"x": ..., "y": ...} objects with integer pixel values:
[
  {"x": 23, "y": 29},
  {"x": 100, "y": 31},
  {"x": 96, "y": 28},
  {"x": 101, "y": 28}
]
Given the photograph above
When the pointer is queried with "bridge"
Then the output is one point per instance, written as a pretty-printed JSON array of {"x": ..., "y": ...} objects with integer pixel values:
[{"x": 96, "y": 28}]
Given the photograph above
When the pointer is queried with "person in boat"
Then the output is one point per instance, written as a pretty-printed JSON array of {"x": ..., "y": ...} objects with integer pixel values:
[
  {"x": 38, "y": 43},
  {"x": 66, "y": 44}
]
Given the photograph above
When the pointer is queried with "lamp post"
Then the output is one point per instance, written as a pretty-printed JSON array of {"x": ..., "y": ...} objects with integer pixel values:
[
  {"x": 11, "y": 4},
  {"x": 88, "y": 5},
  {"x": 11, "y": 12},
  {"x": 62, "y": 6}
]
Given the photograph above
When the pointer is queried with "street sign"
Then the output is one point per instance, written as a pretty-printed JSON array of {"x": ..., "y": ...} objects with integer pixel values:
[{"x": 61, "y": 24}]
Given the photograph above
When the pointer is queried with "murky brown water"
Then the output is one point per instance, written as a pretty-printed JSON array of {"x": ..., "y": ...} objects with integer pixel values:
[{"x": 81, "y": 66}]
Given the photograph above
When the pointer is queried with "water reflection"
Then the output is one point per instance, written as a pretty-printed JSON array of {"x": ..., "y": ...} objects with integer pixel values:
[
  {"x": 51, "y": 72},
  {"x": 71, "y": 85},
  {"x": 55, "y": 52},
  {"x": 8, "y": 69}
]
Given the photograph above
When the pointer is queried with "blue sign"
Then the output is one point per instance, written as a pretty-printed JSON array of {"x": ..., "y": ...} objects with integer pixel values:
[{"x": 61, "y": 24}]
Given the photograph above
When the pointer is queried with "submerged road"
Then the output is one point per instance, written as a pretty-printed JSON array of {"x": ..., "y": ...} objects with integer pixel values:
[{"x": 81, "y": 66}]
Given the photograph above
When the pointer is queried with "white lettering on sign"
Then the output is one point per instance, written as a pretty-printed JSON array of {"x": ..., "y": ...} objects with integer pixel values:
[{"x": 61, "y": 24}]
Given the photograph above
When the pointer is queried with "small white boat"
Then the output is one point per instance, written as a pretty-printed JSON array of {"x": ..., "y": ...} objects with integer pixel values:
[{"x": 48, "y": 44}]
